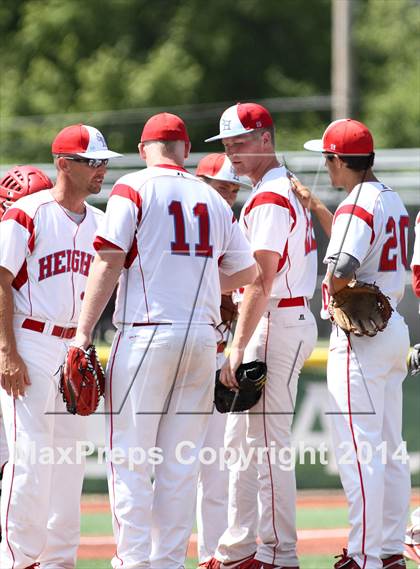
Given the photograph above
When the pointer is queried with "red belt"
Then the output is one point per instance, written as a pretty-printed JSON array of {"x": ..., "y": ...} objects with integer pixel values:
[
  {"x": 60, "y": 331},
  {"x": 221, "y": 347},
  {"x": 288, "y": 302}
]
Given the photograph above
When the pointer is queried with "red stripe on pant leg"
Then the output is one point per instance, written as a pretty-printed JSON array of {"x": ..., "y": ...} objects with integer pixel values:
[
  {"x": 11, "y": 485},
  {"x": 268, "y": 454},
  {"x": 357, "y": 456},
  {"x": 111, "y": 432}
]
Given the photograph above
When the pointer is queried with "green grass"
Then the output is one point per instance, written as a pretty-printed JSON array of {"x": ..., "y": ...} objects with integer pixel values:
[
  {"x": 307, "y": 518},
  {"x": 96, "y": 524},
  {"x": 306, "y": 562},
  {"x": 94, "y": 564},
  {"x": 310, "y": 518}
]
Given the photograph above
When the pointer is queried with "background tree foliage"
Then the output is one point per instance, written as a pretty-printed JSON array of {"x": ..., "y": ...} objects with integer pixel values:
[
  {"x": 387, "y": 37},
  {"x": 82, "y": 58}
]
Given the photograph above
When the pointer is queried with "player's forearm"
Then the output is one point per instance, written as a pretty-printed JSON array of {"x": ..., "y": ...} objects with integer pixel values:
[
  {"x": 7, "y": 336},
  {"x": 237, "y": 280},
  {"x": 325, "y": 217},
  {"x": 335, "y": 283},
  {"x": 252, "y": 308},
  {"x": 101, "y": 283}
]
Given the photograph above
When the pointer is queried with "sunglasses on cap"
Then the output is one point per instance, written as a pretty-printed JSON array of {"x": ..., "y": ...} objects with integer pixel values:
[{"x": 91, "y": 162}]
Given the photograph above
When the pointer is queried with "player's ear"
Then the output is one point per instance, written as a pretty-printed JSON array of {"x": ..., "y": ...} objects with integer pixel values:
[
  {"x": 62, "y": 164},
  {"x": 187, "y": 149},
  {"x": 266, "y": 138},
  {"x": 141, "y": 150}
]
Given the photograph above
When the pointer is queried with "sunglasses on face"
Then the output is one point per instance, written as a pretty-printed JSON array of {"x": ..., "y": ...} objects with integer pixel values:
[{"x": 91, "y": 162}]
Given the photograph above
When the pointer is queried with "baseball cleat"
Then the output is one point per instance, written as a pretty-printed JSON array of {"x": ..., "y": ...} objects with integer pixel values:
[
  {"x": 213, "y": 563},
  {"x": 346, "y": 562},
  {"x": 394, "y": 561}
]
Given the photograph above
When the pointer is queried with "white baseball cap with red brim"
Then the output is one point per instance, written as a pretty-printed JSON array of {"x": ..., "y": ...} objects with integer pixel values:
[
  {"x": 242, "y": 118},
  {"x": 345, "y": 137},
  {"x": 217, "y": 166},
  {"x": 82, "y": 140}
]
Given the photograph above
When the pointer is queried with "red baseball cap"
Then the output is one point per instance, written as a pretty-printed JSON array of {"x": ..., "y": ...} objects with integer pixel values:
[
  {"x": 241, "y": 119},
  {"x": 218, "y": 167},
  {"x": 165, "y": 126},
  {"x": 346, "y": 137},
  {"x": 83, "y": 140}
]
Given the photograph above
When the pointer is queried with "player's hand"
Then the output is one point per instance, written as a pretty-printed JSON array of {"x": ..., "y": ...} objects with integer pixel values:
[
  {"x": 303, "y": 194},
  {"x": 14, "y": 377},
  {"x": 227, "y": 373},
  {"x": 414, "y": 360}
]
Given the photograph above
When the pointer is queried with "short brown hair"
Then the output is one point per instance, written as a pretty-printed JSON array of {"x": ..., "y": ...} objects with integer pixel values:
[{"x": 358, "y": 163}]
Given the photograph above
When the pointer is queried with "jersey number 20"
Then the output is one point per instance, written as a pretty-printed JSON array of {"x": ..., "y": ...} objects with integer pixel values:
[
  {"x": 389, "y": 255},
  {"x": 180, "y": 245}
]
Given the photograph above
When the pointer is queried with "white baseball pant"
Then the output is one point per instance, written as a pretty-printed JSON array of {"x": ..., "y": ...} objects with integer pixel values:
[
  {"x": 284, "y": 338},
  {"x": 212, "y": 489},
  {"x": 159, "y": 395},
  {"x": 365, "y": 377},
  {"x": 40, "y": 509}
]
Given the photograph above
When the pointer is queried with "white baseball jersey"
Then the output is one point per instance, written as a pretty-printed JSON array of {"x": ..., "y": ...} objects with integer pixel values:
[
  {"x": 175, "y": 230},
  {"x": 49, "y": 255},
  {"x": 273, "y": 219},
  {"x": 372, "y": 226},
  {"x": 415, "y": 261}
]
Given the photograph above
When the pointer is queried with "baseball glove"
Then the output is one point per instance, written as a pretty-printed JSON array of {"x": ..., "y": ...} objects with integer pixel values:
[
  {"x": 251, "y": 378},
  {"x": 360, "y": 308},
  {"x": 414, "y": 360},
  {"x": 82, "y": 380}
]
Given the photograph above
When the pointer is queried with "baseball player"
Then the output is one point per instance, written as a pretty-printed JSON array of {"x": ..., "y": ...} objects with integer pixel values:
[
  {"x": 415, "y": 263},
  {"x": 414, "y": 364},
  {"x": 275, "y": 325},
  {"x": 217, "y": 171},
  {"x": 212, "y": 492},
  {"x": 46, "y": 249},
  {"x": 17, "y": 182},
  {"x": 412, "y": 536},
  {"x": 166, "y": 231},
  {"x": 365, "y": 374}
]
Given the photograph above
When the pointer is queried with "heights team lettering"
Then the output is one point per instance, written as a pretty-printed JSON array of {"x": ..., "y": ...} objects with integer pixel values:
[{"x": 66, "y": 261}]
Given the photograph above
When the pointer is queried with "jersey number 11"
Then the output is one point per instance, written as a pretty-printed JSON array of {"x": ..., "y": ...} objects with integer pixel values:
[{"x": 180, "y": 245}]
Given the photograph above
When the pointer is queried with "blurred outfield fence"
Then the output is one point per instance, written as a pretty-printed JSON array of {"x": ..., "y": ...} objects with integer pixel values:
[{"x": 399, "y": 168}]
